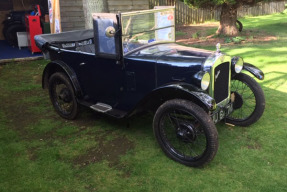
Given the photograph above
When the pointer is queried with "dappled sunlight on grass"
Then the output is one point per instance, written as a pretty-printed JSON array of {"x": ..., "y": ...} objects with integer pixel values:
[
  {"x": 262, "y": 55},
  {"x": 276, "y": 80},
  {"x": 271, "y": 23},
  {"x": 271, "y": 58}
]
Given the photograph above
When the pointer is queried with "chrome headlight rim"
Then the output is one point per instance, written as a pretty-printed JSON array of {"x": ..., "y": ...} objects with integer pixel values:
[
  {"x": 237, "y": 64},
  {"x": 205, "y": 81}
]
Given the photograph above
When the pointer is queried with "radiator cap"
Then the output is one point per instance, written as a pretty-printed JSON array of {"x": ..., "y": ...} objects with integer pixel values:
[{"x": 218, "y": 46}]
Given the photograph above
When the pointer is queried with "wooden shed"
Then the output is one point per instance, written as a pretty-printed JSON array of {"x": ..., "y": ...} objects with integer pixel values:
[{"x": 76, "y": 14}]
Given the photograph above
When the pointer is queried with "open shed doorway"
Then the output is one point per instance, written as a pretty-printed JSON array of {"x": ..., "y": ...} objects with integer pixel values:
[{"x": 12, "y": 24}]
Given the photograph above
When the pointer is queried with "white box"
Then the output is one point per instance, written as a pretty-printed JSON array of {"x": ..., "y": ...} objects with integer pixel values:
[{"x": 22, "y": 39}]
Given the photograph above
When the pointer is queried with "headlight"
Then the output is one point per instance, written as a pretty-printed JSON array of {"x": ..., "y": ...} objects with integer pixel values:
[
  {"x": 201, "y": 80},
  {"x": 205, "y": 81},
  {"x": 237, "y": 64}
]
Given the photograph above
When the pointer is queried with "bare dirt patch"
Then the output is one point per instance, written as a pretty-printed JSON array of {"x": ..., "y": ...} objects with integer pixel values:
[
  {"x": 110, "y": 151},
  {"x": 204, "y": 35},
  {"x": 20, "y": 118}
]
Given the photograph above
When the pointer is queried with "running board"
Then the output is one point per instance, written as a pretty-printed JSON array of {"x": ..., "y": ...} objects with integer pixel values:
[
  {"x": 104, "y": 108},
  {"x": 101, "y": 107}
]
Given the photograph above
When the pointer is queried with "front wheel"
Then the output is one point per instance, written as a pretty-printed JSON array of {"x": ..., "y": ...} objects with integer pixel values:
[
  {"x": 185, "y": 132},
  {"x": 62, "y": 96},
  {"x": 249, "y": 101}
]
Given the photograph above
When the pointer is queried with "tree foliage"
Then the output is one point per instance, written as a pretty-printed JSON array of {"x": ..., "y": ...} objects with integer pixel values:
[{"x": 214, "y": 3}]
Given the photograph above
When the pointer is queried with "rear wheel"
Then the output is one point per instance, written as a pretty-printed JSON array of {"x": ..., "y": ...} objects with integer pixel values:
[
  {"x": 62, "y": 96},
  {"x": 185, "y": 132},
  {"x": 249, "y": 101}
]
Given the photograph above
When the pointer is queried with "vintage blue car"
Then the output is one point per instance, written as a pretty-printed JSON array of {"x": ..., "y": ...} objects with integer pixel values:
[{"x": 129, "y": 62}]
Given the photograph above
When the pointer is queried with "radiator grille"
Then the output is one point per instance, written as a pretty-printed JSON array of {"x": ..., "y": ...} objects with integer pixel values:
[{"x": 221, "y": 82}]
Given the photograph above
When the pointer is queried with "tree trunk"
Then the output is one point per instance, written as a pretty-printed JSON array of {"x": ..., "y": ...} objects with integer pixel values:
[
  {"x": 93, "y": 6},
  {"x": 228, "y": 19}
]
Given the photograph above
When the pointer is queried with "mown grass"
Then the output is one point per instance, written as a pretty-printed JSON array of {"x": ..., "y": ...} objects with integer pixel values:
[{"x": 42, "y": 152}]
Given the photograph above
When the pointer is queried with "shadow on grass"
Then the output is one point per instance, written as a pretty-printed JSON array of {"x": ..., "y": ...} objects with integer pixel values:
[
  {"x": 275, "y": 23},
  {"x": 276, "y": 81}
]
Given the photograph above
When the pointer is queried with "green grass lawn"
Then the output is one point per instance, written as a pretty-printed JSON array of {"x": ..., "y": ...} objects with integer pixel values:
[{"x": 39, "y": 151}]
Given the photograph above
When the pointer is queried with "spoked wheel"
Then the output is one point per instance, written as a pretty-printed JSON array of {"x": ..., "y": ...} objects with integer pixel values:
[
  {"x": 249, "y": 101},
  {"x": 62, "y": 96},
  {"x": 239, "y": 25},
  {"x": 185, "y": 132}
]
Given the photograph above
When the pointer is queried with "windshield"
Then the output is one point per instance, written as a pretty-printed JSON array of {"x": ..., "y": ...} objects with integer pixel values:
[{"x": 147, "y": 27}]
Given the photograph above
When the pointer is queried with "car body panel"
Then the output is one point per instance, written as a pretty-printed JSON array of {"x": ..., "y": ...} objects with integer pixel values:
[
  {"x": 132, "y": 80},
  {"x": 58, "y": 65},
  {"x": 254, "y": 71}
]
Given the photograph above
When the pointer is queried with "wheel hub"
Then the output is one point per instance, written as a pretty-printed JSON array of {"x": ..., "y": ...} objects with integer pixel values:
[
  {"x": 238, "y": 100},
  {"x": 65, "y": 95},
  {"x": 186, "y": 133}
]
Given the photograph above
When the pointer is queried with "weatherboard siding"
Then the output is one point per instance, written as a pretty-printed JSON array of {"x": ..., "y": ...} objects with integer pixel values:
[
  {"x": 126, "y": 6},
  {"x": 73, "y": 11},
  {"x": 72, "y": 15}
]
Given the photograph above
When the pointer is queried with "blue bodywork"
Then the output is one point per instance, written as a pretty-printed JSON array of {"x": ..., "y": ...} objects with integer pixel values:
[
  {"x": 140, "y": 80},
  {"x": 128, "y": 81}
]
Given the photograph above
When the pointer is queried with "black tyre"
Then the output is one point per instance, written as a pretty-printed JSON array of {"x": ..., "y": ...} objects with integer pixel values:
[
  {"x": 249, "y": 103},
  {"x": 239, "y": 25},
  {"x": 62, "y": 96},
  {"x": 185, "y": 132},
  {"x": 4, "y": 31},
  {"x": 11, "y": 33}
]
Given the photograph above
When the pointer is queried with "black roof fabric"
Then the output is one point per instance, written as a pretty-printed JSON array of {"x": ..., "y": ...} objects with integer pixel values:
[{"x": 65, "y": 37}]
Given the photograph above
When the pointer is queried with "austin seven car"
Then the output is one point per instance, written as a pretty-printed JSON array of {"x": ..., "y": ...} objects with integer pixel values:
[{"x": 130, "y": 63}]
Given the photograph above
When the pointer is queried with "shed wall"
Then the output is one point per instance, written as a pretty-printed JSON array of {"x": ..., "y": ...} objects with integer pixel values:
[
  {"x": 73, "y": 11},
  {"x": 72, "y": 15},
  {"x": 127, "y": 5}
]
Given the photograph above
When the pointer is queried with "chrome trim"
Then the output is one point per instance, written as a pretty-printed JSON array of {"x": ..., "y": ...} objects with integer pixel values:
[
  {"x": 210, "y": 64},
  {"x": 205, "y": 81},
  {"x": 101, "y": 107},
  {"x": 237, "y": 61}
]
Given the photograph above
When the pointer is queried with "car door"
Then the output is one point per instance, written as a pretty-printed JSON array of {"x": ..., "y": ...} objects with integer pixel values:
[{"x": 101, "y": 74}]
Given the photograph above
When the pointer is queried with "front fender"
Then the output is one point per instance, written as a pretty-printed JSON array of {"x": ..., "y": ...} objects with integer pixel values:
[
  {"x": 253, "y": 70},
  {"x": 59, "y": 66},
  {"x": 178, "y": 91},
  {"x": 189, "y": 92}
]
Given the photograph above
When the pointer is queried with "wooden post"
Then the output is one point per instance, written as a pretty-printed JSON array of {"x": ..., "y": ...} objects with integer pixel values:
[{"x": 54, "y": 16}]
